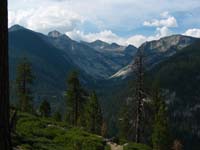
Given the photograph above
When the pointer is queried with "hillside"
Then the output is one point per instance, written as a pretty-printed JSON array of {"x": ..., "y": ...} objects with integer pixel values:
[
  {"x": 50, "y": 65},
  {"x": 180, "y": 77},
  {"x": 180, "y": 70},
  {"x": 46, "y": 134}
]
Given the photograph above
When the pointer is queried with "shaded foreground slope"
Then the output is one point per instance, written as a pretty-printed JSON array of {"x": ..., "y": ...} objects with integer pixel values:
[{"x": 35, "y": 133}]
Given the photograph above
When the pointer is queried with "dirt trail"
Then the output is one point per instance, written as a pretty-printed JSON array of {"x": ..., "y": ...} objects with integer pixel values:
[{"x": 114, "y": 146}]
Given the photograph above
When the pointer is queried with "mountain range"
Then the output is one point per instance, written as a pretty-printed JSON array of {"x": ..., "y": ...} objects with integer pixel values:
[
  {"x": 54, "y": 55},
  {"x": 174, "y": 61}
]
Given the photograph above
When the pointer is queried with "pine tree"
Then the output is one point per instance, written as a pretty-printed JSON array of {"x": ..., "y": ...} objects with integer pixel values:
[
  {"x": 24, "y": 81},
  {"x": 94, "y": 114},
  {"x": 156, "y": 97},
  {"x": 160, "y": 136},
  {"x": 124, "y": 122},
  {"x": 45, "y": 109},
  {"x": 75, "y": 100},
  {"x": 5, "y": 140},
  {"x": 57, "y": 116}
]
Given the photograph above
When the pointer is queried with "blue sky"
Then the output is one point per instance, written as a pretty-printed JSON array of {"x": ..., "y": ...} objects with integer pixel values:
[{"x": 121, "y": 21}]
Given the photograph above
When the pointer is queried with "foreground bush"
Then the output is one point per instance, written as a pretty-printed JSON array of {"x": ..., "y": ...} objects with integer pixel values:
[{"x": 35, "y": 133}]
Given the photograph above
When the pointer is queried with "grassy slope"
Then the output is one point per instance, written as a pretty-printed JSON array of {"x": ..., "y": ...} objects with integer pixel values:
[{"x": 35, "y": 133}]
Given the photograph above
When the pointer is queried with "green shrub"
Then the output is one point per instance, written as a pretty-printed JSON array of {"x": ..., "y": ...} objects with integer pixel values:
[
  {"x": 79, "y": 139},
  {"x": 35, "y": 133}
]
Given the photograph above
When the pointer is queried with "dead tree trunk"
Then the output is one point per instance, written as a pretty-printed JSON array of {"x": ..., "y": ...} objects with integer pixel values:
[
  {"x": 5, "y": 140},
  {"x": 139, "y": 70}
]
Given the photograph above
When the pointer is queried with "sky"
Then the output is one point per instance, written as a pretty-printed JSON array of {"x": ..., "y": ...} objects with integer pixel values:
[{"x": 120, "y": 21}]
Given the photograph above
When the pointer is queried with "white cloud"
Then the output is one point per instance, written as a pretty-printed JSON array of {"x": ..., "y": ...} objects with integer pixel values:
[
  {"x": 124, "y": 17},
  {"x": 163, "y": 31},
  {"x": 136, "y": 40},
  {"x": 167, "y": 21},
  {"x": 107, "y": 11},
  {"x": 165, "y": 14},
  {"x": 45, "y": 19},
  {"x": 193, "y": 32},
  {"x": 162, "y": 26}
]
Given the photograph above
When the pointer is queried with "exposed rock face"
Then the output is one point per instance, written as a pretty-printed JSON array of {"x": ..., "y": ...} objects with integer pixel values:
[{"x": 157, "y": 51}]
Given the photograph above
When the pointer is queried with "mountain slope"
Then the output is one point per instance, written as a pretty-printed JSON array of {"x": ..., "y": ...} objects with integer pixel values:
[
  {"x": 50, "y": 65},
  {"x": 55, "y": 55},
  {"x": 180, "y": 76},
  {"x": 158, "y": 51},
  {"x": 98, "y": 63},
  {"x": 103, "y": 46},
  {"x": 179, "y": 79}
]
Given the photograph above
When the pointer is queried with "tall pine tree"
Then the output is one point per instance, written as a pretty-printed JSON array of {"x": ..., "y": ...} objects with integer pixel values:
[
  {"x": 161, "y": 132},
  {"x": 5, "y": 140},
  {"x": 95, "y": 119},
  {"x": 24, "y": 81},
  {"x": 125, "y": 122},
  {"x": 75, "y": 100}
]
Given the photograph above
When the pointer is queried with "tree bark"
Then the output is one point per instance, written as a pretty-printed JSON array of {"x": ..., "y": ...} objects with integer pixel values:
[{"x": 5, "y": 140}]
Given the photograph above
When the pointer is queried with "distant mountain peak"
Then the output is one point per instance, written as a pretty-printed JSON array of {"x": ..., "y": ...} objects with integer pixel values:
[
  {"x": 130, "y": 49},
  {"x": 167, "y": 43},
  {"x": 16, "y": 27},
  {"x": 131, "y": 46},
  {"x": 99, "y": 42},
  {"x": 115, "y": 45},
  {"x": 54, "y": 34}
]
